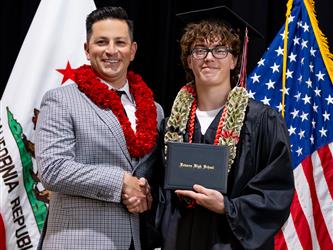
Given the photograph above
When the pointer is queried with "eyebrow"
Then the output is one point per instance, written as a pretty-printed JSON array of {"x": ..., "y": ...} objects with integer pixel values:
[
  {"x": 100, "y": 37},
  {"x": 205, "y": 46},
  {"x": 107, "y": 38}
]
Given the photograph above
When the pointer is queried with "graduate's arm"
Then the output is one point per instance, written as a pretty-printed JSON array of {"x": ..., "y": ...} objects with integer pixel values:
[{"x": 262, "y": 206}]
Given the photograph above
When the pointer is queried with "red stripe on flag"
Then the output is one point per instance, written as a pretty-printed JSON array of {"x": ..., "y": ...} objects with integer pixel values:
[
  {"x": 2, "y": 235},
  {"x": 326, "y": 159},
  {"x": 279, "y": 241},
  {"x": 319, "y": 222},
  {"x": 301, "y": 223}
]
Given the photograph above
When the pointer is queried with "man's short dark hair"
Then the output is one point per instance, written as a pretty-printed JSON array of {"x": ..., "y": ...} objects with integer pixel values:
[{"x": 108, "y": 12}]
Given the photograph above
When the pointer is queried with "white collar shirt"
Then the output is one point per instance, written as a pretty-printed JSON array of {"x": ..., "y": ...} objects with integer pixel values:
[{"x": 128, "y": 102}]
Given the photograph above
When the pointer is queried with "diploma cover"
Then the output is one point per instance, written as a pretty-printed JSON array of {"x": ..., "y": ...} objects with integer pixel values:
[{"x": 195, "y": 163}]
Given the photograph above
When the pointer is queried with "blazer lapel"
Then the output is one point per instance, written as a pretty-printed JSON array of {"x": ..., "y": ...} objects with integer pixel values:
[{"x": 112, "y": 122}]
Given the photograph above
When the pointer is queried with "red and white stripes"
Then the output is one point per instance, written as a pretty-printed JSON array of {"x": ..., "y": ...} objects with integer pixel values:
[{"x": 310, "y": 224}]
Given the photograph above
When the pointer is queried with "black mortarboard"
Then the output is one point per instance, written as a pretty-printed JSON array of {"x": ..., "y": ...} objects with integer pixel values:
[
  {"x": 222, "y": 13},
  {"x": 228, "y": 17}
]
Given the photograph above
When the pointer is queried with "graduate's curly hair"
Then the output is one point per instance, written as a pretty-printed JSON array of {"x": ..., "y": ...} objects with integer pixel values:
[{"x": 211, "y": 31}]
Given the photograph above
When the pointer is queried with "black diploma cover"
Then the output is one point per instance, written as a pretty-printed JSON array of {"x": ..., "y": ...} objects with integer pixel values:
[{"x": 195, "y": 163}]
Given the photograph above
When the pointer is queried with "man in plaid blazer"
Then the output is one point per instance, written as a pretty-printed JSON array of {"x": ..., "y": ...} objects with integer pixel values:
[{"x": 96, "y": 150}]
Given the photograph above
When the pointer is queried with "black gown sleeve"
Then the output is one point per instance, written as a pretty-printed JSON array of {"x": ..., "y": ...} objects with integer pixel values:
[{"x": 263, "y": 186}]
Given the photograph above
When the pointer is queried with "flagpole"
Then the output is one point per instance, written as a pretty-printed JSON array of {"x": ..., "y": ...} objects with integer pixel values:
[{"x": 285, "y": 47}]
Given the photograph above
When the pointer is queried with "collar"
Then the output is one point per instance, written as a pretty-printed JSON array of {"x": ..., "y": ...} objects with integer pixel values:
[{"x": 124, "y": 88}]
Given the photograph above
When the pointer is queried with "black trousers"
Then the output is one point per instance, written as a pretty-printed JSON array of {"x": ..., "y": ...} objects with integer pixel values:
[{"x": 132, "y": 245}]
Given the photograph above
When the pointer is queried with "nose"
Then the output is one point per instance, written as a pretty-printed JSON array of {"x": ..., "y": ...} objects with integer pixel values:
[
  {"x": 209, "y": 55},
  {"x": 111, "y": 48}
]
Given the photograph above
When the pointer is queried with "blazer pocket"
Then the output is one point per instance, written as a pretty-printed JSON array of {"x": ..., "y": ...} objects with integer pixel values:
[{"x": 80, "y": 202}]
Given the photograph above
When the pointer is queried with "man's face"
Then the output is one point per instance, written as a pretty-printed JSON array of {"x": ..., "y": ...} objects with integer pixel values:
[
  {"x": 211, "y": 70},
  {"x": 110, "y": 50}
]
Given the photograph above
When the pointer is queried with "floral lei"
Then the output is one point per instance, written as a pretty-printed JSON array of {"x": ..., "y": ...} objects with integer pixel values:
[
  {"x": 142, "y": 141},
  {"x": 230, "y": 125}
]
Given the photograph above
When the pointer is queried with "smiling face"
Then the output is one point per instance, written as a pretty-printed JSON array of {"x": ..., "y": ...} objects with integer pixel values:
[
  {"x": 211, "y": 70},
  {"x": 110, "y": 50}
]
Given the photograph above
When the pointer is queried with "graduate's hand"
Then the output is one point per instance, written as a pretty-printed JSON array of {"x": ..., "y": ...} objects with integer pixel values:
[
  {"x": 147, "y": 190},
  {"x": 208, "y": 198}
]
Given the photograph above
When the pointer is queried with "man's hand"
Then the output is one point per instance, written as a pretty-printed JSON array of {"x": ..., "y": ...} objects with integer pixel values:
[
  {"x": 208, "y": 198},
  {"x": 136, "y": 194}
]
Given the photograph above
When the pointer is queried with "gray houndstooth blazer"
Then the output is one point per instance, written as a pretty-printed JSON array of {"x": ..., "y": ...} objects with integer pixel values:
[{"x": 81, "y": 156}]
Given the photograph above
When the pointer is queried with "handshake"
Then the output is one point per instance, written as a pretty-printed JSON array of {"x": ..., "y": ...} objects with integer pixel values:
[{"x": 136, "y": 194}]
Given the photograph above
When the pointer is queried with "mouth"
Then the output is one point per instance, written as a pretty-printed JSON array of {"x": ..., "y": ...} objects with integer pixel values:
[
  {"x": 208, "y": 68},
  {"x": 111, "y": 60}
]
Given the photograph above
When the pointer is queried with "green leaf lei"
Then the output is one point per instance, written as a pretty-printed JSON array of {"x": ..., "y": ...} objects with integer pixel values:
[{"x": 233, "y": 113}]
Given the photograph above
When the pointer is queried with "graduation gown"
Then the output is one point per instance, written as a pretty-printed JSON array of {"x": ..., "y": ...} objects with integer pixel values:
[{"x": 260, "y": 190}]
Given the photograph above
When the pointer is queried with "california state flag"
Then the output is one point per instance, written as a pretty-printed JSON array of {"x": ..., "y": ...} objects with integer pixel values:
[{"x": 53, "y": 43}]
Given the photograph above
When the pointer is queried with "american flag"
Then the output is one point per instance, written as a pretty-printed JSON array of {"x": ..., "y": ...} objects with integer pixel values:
[{"x": 308, "y": 111}]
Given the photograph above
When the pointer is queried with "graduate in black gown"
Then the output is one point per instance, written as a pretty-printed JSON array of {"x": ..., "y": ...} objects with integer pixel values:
[{"x": 212, "y": 109}]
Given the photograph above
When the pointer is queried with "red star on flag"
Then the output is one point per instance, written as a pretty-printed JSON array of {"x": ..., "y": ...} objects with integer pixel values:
[{"x": 68, "y": 73}]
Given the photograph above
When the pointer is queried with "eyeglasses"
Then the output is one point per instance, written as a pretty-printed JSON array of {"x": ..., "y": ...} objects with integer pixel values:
[{"x": 219, "y": 52}]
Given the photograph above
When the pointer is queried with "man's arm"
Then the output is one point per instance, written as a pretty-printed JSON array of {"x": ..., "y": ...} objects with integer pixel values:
[{"x": 58, "y": 168}]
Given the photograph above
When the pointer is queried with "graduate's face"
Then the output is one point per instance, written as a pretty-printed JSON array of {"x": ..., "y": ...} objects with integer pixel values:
[
  {"x": 211, "y": 70},
  {"x": 110, "y": 49}
]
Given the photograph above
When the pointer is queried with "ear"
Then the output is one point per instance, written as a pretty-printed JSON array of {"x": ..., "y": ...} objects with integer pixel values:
[
  {"x": 234, "y": 62},
  {"x": 189, "y": 62},
  {"x": 134, "y": 47},
  {"x": 86, "y": 50}
]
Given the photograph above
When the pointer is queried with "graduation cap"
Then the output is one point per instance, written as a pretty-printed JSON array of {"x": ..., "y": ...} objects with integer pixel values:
[
  {"x": 221, "y": 13},
  {"x": 224, "y": 15}
]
